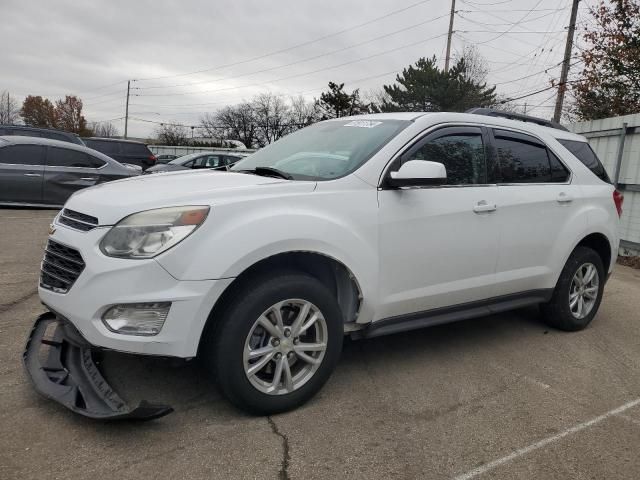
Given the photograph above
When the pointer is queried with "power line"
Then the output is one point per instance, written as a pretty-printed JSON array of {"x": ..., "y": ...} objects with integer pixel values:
[
  {"x": 324, "y": 69},
  {"x": 298, "y": 61},
  {"x": 304, "y": 44}
]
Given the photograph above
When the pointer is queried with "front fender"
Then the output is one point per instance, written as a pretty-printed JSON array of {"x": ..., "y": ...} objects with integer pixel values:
[{"x": 240, "y": 235}]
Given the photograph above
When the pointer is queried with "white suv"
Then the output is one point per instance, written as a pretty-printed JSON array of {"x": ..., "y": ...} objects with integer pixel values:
[{"x": 364, "y": 226}]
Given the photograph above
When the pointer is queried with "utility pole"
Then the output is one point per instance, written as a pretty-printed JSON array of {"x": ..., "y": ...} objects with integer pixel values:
[
  {"x": 525, "y": 108},
  {"x": 126, "y": 111},
  {"x": 447, "y": 58},
  {"x": 562, "y": 86}
]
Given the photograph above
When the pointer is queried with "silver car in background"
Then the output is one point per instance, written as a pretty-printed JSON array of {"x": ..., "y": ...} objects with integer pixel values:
[{"x": 43, "y": 172}]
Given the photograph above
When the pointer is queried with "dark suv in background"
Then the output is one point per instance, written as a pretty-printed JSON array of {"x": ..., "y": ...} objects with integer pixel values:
[
  {"x": 25, "y": 131},
  {"x": 124, "y": 151}
]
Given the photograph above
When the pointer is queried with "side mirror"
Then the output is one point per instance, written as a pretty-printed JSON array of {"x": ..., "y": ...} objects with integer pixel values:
[{"x": 417, "y": 173}]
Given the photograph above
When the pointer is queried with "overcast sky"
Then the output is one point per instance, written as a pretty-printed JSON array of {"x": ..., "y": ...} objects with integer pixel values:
[{"x": 90, "y": 48}]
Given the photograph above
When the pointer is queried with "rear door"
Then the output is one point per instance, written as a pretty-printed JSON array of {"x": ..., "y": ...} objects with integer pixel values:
[
  {"x": 67, "y": 171},
  {"x": 21, "y": 173},
  {"x": 535, "y": 200}
]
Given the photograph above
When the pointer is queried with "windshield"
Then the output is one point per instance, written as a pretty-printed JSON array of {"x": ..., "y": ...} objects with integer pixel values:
[
  {"x": 325, "y": 150},
  {"x": 184, "y": 158}
]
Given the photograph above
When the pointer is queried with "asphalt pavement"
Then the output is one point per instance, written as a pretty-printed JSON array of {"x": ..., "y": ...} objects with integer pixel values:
[{"x": 497, "y": 397}]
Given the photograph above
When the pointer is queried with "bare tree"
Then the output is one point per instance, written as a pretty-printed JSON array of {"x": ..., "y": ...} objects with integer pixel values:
[
  {"x": 302, "y": 113},
  {"x": 476, "y": 68},
  {"x": 9, "y": 109},
  {"x": 271, "y": 115},
  {"x": 234, "y": 122},
  {"x": 104, "y": 129},
  {"x": 69, "y": 115},
  {"x": 174, "y": 135}
]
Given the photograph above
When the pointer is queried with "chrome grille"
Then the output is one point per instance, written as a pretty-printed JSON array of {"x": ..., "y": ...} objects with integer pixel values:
[
  {"x": 61, "y": 266},
  {"x": 77, "y": 220}
]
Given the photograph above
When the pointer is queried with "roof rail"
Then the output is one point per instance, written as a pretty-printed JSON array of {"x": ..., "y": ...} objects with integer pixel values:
[{"x": 516, "y": 116}]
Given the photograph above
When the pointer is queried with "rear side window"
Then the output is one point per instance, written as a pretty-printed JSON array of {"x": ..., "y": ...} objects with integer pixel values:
[
  {"x": 108, "y": 148},
  {"x": 135, "y": 149},
  {"x": 56, "y": 136},
  {"x": 559, "y": 172},
  {"x": 22, "y": 155},
  {"x": 583, "y": 152},
  {"x": 524, "y": 159},
  {"x": 61, "y": 157}
]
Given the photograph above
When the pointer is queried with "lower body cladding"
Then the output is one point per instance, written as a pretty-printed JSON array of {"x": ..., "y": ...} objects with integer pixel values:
[{"x": 122, "y": 305}]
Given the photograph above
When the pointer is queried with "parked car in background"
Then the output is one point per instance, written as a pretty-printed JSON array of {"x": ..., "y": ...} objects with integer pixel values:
[
  {"x": 26, "y": 131},
  {"x": 43, "y": 172},
  {"x": 124, "y": 151},
  {"x": 166, "y": 158},
  {"x": 213, "y": 159}
]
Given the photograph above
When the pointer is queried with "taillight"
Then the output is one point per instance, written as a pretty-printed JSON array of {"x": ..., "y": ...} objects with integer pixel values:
[
  {"x": 618, "y": 199},
  {"x": 153, "y": 158}
]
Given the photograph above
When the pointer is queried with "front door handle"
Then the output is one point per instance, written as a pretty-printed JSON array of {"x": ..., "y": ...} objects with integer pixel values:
[
  {"x": 89, "y": 179},
  {"x": 484, "y": 207},
  {"x": 32, "y": 175},
  {"x": 564, "y": 198}
]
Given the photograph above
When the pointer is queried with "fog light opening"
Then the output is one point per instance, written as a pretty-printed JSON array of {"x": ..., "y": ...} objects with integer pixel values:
[{"x": 144, "y": 319}]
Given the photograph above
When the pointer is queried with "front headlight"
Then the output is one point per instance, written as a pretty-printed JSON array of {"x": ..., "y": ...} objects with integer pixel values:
[{"x": 146, "y": 234}]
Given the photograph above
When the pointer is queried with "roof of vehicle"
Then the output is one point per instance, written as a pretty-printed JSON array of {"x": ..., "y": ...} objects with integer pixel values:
[
  {"x": 22, "y": 140},
  {"x": 28, "y": 127},
  {"x": 442, "y": 117},
  {"x": 120, "y": 140}
]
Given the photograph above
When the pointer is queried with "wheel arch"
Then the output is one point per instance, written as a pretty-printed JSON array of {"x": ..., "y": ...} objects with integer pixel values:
[{"x": 331, "y": 272}]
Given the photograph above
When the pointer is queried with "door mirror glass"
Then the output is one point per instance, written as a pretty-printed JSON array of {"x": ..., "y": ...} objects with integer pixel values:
[{"x": 415, "y": 173}]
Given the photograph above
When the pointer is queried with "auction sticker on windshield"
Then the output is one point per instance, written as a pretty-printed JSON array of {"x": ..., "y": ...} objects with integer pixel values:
[{"x": 362, "y": 124}]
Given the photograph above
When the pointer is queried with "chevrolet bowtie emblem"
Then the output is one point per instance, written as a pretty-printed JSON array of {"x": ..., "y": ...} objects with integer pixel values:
[{"x": 52, "y": 229}]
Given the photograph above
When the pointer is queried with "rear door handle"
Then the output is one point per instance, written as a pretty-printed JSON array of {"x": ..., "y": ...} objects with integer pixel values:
[
  {"x": 564, "y": 198},
  {"x": 32, "y": 175},
  {"x": 484, "y": 207}
]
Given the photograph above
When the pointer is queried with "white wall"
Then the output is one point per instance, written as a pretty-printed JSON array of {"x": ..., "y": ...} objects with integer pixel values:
[{"x": 604, "y": 137}]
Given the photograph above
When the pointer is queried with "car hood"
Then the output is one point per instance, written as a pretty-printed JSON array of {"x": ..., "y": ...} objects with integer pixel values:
[{"x": 112, "y": 201}]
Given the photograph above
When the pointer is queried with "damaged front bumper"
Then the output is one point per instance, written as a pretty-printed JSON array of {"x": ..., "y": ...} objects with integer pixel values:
[{"x": 68, "y": 374}]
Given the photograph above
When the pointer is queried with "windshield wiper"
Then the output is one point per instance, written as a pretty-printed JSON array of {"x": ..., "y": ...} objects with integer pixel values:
[{"x": 268, "y": 172}]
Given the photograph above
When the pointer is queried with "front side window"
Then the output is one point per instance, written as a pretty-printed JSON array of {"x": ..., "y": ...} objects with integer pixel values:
[
  {"x": 325, "y": 150},
  {"x": 22, "y": 155},
  {"x": 522, "y": 159},
  {"x": 462, "y": 154},
  {"x": 61, "y": 157}
]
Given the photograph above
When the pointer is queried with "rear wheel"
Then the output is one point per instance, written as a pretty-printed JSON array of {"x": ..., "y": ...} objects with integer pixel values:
[
  {"x": 278, "y": 342},
  {"x": 578, "y": 293}
]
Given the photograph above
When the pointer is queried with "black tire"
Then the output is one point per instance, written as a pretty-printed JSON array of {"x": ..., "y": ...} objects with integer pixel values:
[
  {"x": 557, "y": 312},
  {"x": 226, "y": 341}
]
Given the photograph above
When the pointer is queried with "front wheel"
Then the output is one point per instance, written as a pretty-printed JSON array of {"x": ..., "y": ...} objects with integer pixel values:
[
  {"x": 278, "y": 342},
  {"x": 578, "y": 293}
]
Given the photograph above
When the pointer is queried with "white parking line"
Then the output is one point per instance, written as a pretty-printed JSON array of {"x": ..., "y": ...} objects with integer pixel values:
[{"x": 542, "y": 443}]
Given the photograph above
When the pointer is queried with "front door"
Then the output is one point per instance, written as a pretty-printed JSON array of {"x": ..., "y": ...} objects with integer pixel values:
[
  {"x": 439, "y": 245},
  {"x": 21, "y": 173}
]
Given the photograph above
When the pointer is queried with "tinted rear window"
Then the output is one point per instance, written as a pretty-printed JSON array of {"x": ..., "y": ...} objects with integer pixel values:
[
  {"x": 583, "y": 152},
  {"x": 135, "y": 149},
  {"x": 522, "y": 159}
]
